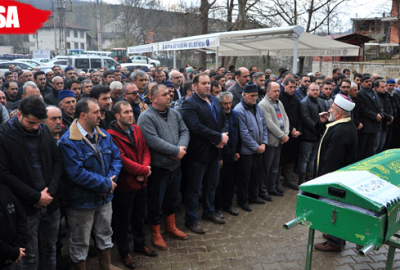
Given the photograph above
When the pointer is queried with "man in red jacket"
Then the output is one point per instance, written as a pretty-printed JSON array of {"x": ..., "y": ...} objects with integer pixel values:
[{"x": 130, "y": 194}]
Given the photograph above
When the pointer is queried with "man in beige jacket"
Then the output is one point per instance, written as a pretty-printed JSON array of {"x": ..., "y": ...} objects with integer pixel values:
[{"x": 278, "y": 130}]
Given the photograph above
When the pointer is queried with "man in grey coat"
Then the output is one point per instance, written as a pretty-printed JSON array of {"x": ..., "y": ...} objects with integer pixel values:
[
  {"x": 242, "y": 77},
  {"x": 278, "y": 131},
  {"x": 167, "y": 136},
  {"x": 254, "y": 135}
]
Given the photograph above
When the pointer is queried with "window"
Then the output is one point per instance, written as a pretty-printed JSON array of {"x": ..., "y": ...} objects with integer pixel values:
[
  {"x": 82, "y": 46},
  {"x": 82, "y": 63},
  {"x": 67, "y": 32},
  {"x": 76, "y": 45},
  {"x": 82, "y": 34},
  {"x": 109, "y": 63},
  {"x": 95, "y": 63},
  {"x": 68, "y": 45},
  {"x": 75, "y": 33}
]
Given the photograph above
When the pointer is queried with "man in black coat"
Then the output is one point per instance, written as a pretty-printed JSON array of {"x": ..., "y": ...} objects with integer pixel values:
[
  {"x": 208, "y": 127},
  {"x": 310, "y": 108},
  {"x": 30, "y": 166},
  {"x": 387, "y": 115},
  {"x": 291, "y": 148},
  {"x": 337, "y": 149},
  {"x": 13, "y": 228},
  {"x": 370, "y": 117}
]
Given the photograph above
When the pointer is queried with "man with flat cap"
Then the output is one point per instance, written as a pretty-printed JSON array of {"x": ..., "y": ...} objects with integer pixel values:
[{"x": 337, "y": 149}]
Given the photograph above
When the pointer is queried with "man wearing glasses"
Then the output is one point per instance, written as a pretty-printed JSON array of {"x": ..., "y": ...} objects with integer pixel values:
[
  {"x": 301, "y": 91},
  {"x": 95, "y": 77},
  {"x": 52, "y": 97},
  {"x": 130, "y": 92},
  {"x": 57, "y": 71},
  {"x": 177, "y": 80}
]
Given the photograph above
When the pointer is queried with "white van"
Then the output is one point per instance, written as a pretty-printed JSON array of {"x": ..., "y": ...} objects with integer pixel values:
[{"x": 89, "y": 62}]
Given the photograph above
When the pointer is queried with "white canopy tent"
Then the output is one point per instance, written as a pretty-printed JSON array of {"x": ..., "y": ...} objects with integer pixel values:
[{"x": 281, "y": 41}]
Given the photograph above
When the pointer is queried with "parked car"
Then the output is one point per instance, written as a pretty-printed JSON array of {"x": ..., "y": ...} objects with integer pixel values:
[
  {"x": 41, "y": 60},
  {"x": 141, "y": 59},
  {"x": 5, "y": 66},
  {"x": 132, "y": 66},
  {"x": 50, "y": 64},
  {"x": 88, "y": 62},
  {"x": 29, "y": 61}
]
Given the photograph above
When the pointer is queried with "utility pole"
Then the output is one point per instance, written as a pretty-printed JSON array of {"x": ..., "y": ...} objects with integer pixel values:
[
  {"x": 61, "y": 7},
  {"x": 98, "y": 12}
]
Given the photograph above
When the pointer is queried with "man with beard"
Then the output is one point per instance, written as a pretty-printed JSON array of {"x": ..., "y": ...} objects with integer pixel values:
[
  {"x": 242, "y": 77},
  {"x": 230, "y": 154},
  {"x": 130, "y": 194},
  {"x": 57, "y": 71},
  {"x": 52, "y": 97},
  {"x": 95, "y": 77},
  {"x": 337, "y": 149},
  {"x": 158, "y": 76},
  {"x": 259, "y": 80},
  {"x": 70, "y": 73},
  {"x": 301, "y": 91},
  {"x": 101, "y": 94},
  {"x": 130, "y": 93},
  {"x": 290, "y": 149},
  {"x": 167, "y": 136},
  {"x": 40, "y": 80},
  {"x": 371, "y": 118},
  {"x": 92, "y": 164},
  {"x": 67, "y": 102},
  {"x": 12, "y": 94},
  {"x": 216, "y": 88}
]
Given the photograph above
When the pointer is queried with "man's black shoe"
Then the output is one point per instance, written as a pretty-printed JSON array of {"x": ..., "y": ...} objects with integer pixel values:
[
  {"x": 246, "y": 207},
  {"x": 231, "y": 210},
  {"x": 275, "y": 193},
  {"x": 214, "y": 218},
  {"x": 196, "y": 228},
  {"x": 266, "y": 197},
  {"x": 257, "y": 201},
  {"x": 219, "y": 214}
]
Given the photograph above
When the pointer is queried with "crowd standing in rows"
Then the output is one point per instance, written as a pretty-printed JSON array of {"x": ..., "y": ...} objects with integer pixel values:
[{"x": 101, "y": 147}]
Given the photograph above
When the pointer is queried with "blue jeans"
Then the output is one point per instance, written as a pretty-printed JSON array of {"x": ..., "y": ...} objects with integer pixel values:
[
  {"x": 43, "y": 225},
  {"x": 162, "y": 193},
  {"x": 208, "y": 175},
  {"x": 307, "y": 154}
]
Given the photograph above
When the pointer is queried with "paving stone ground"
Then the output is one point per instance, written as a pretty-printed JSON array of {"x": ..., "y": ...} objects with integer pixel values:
[{"x": 252, "y": 240}]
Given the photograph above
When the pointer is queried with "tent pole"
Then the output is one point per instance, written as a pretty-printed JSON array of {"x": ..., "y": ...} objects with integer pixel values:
[
  {"x": 295, "y": 54},
  {"x": 175, "y": 59},
  {"x": 217, "y": 58}
]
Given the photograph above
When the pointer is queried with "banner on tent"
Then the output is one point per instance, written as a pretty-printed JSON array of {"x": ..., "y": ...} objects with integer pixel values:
[
  {"x": 240, "y": 53},
  {"x": 143, "y": 49},
  {"x": 190, "y": 45},
  {"x": 335, "y": 52}
]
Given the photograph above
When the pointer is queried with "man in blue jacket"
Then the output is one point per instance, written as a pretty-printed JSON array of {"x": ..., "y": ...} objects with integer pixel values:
[
  {"x": 254, "y": 138},
  {"x": 92, "y": 164},
  {"x": 208, "y": 127}
]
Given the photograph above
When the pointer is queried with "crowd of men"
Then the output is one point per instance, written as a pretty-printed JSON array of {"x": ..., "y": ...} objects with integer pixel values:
[{"x": 112, "y": 150}]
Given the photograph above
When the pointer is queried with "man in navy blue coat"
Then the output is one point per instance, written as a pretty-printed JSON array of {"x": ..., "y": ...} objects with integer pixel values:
[{"x": 208, "y": 128}]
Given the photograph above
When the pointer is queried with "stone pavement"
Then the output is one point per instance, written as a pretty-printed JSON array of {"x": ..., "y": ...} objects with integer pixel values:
[{"x": 252, "y": 240}]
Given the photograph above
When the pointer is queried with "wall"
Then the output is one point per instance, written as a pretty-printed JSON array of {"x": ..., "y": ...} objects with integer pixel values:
[
  {"x": 385, "y": 70},
  {"x": 45, "y": 39}
]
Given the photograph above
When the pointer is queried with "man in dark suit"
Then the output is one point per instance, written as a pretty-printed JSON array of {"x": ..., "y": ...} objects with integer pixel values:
[
  {"x": 208, "y": 128},
  {"x": 370, "y": 117}
]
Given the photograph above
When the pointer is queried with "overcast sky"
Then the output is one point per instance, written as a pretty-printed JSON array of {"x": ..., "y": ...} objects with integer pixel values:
[{"x": 350, "y": 9}]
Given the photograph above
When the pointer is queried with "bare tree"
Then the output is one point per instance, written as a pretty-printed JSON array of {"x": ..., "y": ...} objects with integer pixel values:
[{"x": 205, "y": 7}]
